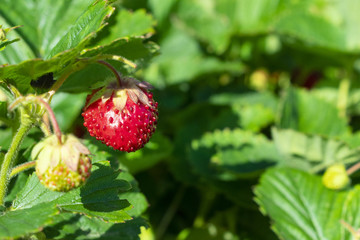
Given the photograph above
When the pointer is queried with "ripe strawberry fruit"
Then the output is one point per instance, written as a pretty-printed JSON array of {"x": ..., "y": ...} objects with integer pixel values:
[
  {"x": 124, "y": 116},
  {"x": 61, "y": 166}
]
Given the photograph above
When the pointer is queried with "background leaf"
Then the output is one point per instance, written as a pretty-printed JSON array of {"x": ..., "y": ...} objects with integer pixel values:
[
  {"x": 67, "y": 108},
  {"x": 301, "y": 107},
  {"x": 295, "y": 202},
  {"x": 228, "y": 154},
  {"x": 127, "y": 24},
  {"x": 95, "y": 199},
  {"x": 82, "y": 227},
  {"x": 17, "y": 223},
  {"x": 312, "y": 152}
]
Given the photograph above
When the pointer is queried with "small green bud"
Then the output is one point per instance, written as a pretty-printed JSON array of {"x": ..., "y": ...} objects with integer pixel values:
[
  {"x": 336, "y": 177},
  {"x": 61, "y": 166}
]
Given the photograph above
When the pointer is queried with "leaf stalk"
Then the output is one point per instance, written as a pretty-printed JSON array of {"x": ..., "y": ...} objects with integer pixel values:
[
  {"x": 9, "y": 159},
  {"x": 108, "y": 65}
]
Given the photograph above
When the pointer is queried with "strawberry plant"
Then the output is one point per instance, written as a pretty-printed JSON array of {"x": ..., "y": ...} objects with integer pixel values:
[{"x": 191, "y": 119}]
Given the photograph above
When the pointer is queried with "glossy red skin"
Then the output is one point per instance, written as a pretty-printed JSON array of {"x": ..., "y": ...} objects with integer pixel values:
[{"x": 128, "y": 130}]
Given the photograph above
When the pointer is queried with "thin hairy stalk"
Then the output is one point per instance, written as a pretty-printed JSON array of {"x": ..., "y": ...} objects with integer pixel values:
[
  {"x": 61, "y": 80},
  {"x": 355, "y": 233},
  {"x": 11, "y": 155},
  {"x": 16, "y": 170},
  {"x": 108, "y": 65},
  {"x": 53, "y": 120},
  {"x": 353, "y": 168},
  {"x": 45, "y": 128},
  {"x": 170, "y": 213},
  {"x": 46, "y": 105}
]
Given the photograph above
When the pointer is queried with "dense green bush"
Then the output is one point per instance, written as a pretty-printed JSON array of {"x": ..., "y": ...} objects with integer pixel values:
[{"x": 256, "y": 100}]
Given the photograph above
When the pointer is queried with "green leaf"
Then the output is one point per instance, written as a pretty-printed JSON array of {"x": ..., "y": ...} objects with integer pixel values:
[
  {"x": 254, "y": 117},
  {"x": 43, "y": 25},
  {"x": 18, "y": 185},
  {"x": 312, "y": 29},
  {"x": 67, "y": 49},
  {"x": 134, "y": 196},
  {"x": 3, "y": 110},
  {"x": 312, "y": 152},
  {"x": 3, "y": 44},
  {"x": 302, "y": 208},
  {"x": 266, "y": 99},
  {"x": 330, "y": 25},
  {"x": 127, "y": 231},
  {"x": 161, "y": 9},
  {"x": 67, "y": 225},
  {"x": 154, "y": 151},
  {"x": 16, "y": 52},
  {"x": 289, "y": 110},
  {"x": 254, "y": 109},
  {"x": 208, "y": 24},
  {"x": 6, "y": 136},
  {"x": 14, "y": 224},
  {"x": 301, "y": 112},
  {"x": 98, "y": 198},
  {"x": 127, "y": 24},
  {"x": 22, "y": 74},
  {"x": 229, "y": 154},
  {"x": 132, "y": 49},
  {"x": 353, "y": 140},
  {"x": 84, "y": 28},
  {"x": 256, "y": 16},
  {"x": 189, "y": 63},
  {"x": 5, "y": 93}
]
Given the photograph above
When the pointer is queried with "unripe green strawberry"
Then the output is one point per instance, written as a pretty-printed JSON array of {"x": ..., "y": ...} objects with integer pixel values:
[
  {"x": 61, "y": 166},
  {"x": 335, "y": 177}
]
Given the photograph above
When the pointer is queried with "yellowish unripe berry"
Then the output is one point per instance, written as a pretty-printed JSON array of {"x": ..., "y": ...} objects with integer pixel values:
[{"x": 336, "y": 177}]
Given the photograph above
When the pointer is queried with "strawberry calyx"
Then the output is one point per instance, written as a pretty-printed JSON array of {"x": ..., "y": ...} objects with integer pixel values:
[{"x": 130, "y": 88}]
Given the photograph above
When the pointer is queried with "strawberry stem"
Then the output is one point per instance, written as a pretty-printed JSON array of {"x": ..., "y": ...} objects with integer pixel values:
[
  {"x": 22, "y": 167},
  {"x": 45, "y": 126},
  {"x": 41, "y": 101},
  {"x": 108, "y": 65},
  {"x": 53, "y": 120},
  {"x": 61, "y": 80},
  {"x": 353, "y": 168},
  {"x": 11, "y": 155}
]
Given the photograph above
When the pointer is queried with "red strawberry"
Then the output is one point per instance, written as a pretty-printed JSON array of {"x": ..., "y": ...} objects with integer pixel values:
[{"x": 123, "y": 117}]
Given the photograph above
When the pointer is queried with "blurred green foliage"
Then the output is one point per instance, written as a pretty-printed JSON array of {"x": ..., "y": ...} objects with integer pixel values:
[{"x": 251, "y": 93}]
